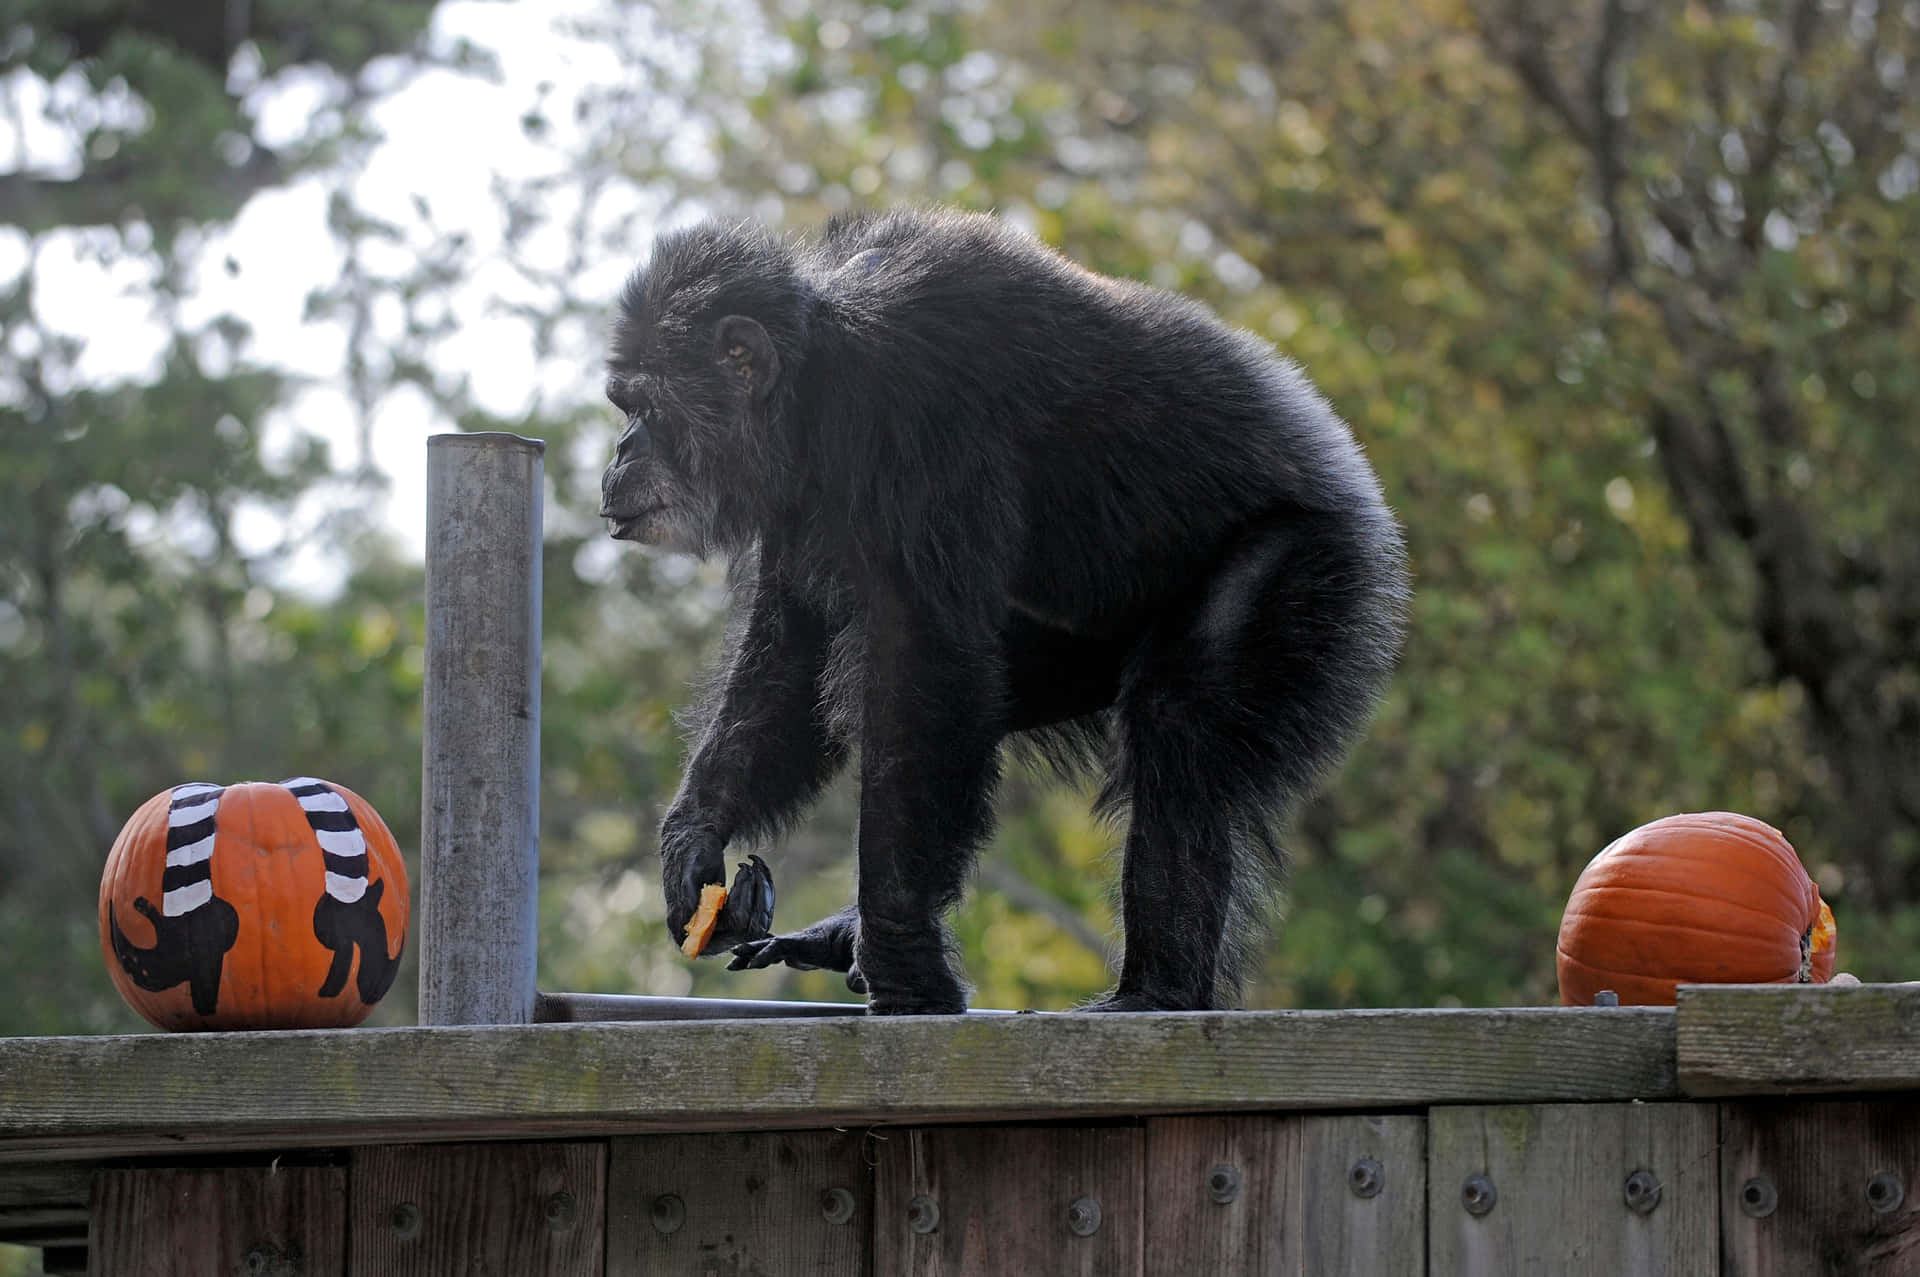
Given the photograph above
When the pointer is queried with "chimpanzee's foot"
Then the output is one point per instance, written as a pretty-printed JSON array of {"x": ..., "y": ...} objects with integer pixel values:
[
  {"x": 748, "y": 914},
  {"x": 909, "y": 968},
  {"x": 928, "y": 1000},
  {"x": 1115, "y": 1000},
  {"x": 826, "y": 945}
]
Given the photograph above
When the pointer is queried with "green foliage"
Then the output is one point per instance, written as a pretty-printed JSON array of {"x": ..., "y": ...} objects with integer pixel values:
[
  {"x": 19, "y": 1261},
  {"x": 1625, "y": 321},
  {"x": 1420, "y": 203},
  {"x": 143, "y": 638}
]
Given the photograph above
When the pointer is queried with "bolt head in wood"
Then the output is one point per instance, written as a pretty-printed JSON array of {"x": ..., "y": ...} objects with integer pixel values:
[
  {"x": 1642, "y": 1191},
  {"x": 404, "y": 1220},
  {"x": 1758, "y": 1197},
  {"x": 1366, "y": 1178},
  {"x": 1885, "y": 1192},
  {"x": 668, "y": 1213},
  {"x": 1606, "y": 998},
  {"x": 1223, "y": 1184},
  {"x": 1478, "y": 1195},
  {"x": 1083, "y": 1217},
  {"x": 923, "y": 1214},
  {"x": 836, "y": 1205}
]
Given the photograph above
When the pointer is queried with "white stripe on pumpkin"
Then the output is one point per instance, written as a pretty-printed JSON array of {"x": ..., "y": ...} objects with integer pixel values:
[
  {"x": 341, "y": 842},
  {"x": 345, "y": 890},
  {"x": 187, "y": 815},
  {"x": 185, "y": 899},
  {"x": 191, "y": 854}
]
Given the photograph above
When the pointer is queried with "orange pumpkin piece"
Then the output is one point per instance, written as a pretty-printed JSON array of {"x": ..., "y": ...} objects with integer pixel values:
[
  {"x": 254, "y": 906},
  {"x": 1820, "y": 945},
  {"x": 1702, "y": 898},
  {"x": 713, "y": 897}
]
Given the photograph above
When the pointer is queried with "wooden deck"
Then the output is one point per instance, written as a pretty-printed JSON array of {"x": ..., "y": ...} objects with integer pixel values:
[{"x": 1751, "y": 1130}]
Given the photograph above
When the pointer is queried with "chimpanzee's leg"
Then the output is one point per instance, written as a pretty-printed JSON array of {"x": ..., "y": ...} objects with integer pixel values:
[
  {"x": 1053, "y": 676},
  {"x": 1234, "y": 707}
]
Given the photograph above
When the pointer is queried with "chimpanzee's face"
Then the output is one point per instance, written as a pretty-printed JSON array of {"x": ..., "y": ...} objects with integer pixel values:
[
  {"x": 647, "y": 493},
  {"x": 682, "y": 422},
  {"x": 693, "y": 375}
]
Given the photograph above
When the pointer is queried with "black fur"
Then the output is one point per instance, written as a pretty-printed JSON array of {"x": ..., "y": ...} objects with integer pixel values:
[{"x": 979, "y": 491}]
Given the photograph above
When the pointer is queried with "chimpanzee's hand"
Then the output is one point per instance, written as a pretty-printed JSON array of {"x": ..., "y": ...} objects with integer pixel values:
[{"x": 691, "y": 857}]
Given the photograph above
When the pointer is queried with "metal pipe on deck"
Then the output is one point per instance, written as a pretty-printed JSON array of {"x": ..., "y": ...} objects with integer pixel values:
[
  {"x": 575, "y": 1008},
  {"x": 480, "y": 782}
]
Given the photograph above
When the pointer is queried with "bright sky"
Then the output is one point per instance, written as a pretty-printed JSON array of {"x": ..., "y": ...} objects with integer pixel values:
[{"x": 447, "y": 137}]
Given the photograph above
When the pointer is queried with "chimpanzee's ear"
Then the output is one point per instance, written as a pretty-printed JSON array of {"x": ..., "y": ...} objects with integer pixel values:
[{"x": 744, "y": 347}]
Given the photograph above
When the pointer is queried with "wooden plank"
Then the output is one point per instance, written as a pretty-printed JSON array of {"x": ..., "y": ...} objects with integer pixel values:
[
  {"x": 189, "y": 1223},
  {"x": 1276, "y": 1195},
  {"x": 1558, "y": 1179},
  {"x": 94, "y": 1096},
  {"x": 45, "y": 1203},
  {"x": 1815, "y": 1165},
  {"x": 1223, "y": 1195},
  {"x": 1363, "y": 1219},
  {"x": 798, "y": 1203},
  {"x": 64, "y": 1260},
  {"x": 983, "y": 1200},
  {"x": 531, "y": 1210},
  {"x": 1760, "y": 1039}
]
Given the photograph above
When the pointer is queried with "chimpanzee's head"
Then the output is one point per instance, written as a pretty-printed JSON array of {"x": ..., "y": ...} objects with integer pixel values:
[{"x": 704, "y": 345}]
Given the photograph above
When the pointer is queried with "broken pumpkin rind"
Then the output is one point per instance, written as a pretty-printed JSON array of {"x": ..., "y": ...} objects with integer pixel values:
[
  {"x": 741, "y": 913},
  {"x": 700, "y": 926}
]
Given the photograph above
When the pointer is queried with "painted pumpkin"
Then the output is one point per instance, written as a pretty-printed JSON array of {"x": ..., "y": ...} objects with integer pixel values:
[
  {"x": 1704, "y": 898},
  {"x": 254, "y": 906}
]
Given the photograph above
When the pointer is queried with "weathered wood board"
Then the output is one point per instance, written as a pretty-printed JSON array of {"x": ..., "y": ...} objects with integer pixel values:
[
  {"x": 265, "y": 1220},
  {"x": 982, "y": 1200},
  {"x": 530, "y": 1210},
  {"x": 96, "y": 1096},
  {"x": 42, "y": 1204},
  {"x": 1757, "y": 1039},
  {"x": 1351, "y": 1221},
  {"x": 1763, "y": 1188},
  {"x": 1551, "y": 1189},
  {"x": 796, "y": 1203},
  {"x": 1223, "y": 1195},
  {"x": 1286, "y": 1195},
  {"x": 1820, "y": 1189}
]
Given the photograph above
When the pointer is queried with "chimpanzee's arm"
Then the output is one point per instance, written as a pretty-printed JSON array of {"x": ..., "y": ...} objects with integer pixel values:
[{"x": 766, "y": 749}]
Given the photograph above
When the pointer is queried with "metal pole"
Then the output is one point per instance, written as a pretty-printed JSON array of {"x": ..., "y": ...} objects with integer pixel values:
[
  {"x": 575, "y": 1008},
  {"x": 480, "y": 782}
]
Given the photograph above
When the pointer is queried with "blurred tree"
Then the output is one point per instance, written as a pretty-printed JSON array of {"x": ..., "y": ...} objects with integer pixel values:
[
  {"x": 1618, "y": 302},
  {"x": 130, "y": 65},
  {"x": 142, "y": 640},
  {"x": 1755, "y": 168},
  {"x": 1619, "y": 298}
]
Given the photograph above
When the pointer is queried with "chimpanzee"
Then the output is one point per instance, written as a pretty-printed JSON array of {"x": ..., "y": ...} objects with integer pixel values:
[{"x": 974, "y": 492}]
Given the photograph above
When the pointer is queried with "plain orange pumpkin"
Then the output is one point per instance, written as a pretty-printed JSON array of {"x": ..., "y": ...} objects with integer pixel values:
[
  {"x": 1703, "y": 898},
  {"x": 254, "y": 906}
]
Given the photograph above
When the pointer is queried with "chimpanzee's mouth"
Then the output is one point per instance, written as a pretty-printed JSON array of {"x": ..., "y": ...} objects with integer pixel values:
[{"x": 633, "y": 527}]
